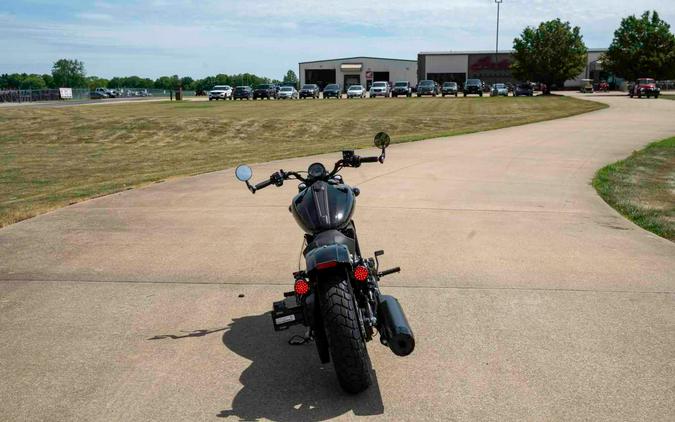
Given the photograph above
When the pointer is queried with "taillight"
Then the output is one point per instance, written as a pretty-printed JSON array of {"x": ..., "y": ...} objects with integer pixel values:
[
  {"x": 361, "y": 273},
  {"x": 324, "y": 265},
  {"x": 301, "y": 287}
]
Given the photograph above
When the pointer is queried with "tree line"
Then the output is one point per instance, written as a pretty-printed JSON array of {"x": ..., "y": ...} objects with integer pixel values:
[
  {"x": 68, "y": 73},
  {"x": 554, "y": 51}
]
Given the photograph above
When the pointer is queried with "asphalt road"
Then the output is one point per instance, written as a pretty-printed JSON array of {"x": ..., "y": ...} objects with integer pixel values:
[
  {"x": 71, "y": 103},
  {"x": 531, "y": 299}
]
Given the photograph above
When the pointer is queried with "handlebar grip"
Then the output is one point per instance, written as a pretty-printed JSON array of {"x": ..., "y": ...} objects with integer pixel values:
[
  {"x": 264, "y": 184},
  {"x": 370, "y": 159},
  {"x": 389, "y": 271}
]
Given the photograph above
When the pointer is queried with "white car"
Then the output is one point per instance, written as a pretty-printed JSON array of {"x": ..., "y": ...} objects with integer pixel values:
[
  {"x": 356, "y": 91},
  {"x": 379, "y": 89},
  {"x": 287, "y": 92},
  {"x": 499, "y": 89},
  {"x": 220, "y": 92}
]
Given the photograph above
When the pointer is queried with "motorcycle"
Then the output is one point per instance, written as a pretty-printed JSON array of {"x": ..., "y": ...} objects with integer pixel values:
[{"x": 337, "y": 296}]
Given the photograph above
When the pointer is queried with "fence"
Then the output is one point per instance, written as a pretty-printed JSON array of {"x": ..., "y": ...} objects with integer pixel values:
[{"x": 29, "y": 95}]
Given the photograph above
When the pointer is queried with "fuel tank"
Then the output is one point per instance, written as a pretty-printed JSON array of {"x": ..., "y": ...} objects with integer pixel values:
[{"x": 323, "y": 206}]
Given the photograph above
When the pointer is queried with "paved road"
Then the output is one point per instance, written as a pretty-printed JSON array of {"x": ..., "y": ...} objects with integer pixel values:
[
  {"x": 531, "y": 299},
  {"x": 88, "y": 102}
]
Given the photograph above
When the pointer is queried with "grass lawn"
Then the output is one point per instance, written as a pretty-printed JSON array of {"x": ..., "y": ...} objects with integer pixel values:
[
  {"x": 667, "y": 97},
  {"x": 642, "y": 187},
  {"x": 50, "y": 157}
]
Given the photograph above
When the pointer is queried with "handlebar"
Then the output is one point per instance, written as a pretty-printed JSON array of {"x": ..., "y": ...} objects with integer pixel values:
[
  {"x": 264, "y": 184},
  {"x": 278, "y": 178}
]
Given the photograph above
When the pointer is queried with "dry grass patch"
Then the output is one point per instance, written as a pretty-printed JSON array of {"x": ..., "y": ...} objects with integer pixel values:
[
  {"x": 50, "y": 157},
  {"x": 642, "y": 187}
]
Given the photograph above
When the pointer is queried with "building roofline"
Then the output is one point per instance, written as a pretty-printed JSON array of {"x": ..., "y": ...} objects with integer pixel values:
[
  {"x": 358, "y": 57},
  {"x": 460, "y": 53}
]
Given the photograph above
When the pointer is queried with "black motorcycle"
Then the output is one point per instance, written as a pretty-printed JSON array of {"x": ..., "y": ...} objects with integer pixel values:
[{"x": 337, "y": 296}]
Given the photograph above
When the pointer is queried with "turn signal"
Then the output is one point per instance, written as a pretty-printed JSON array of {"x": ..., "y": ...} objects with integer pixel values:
[
  {"x": 361, "y": 273},
  {"x": 301, "y": 287}
]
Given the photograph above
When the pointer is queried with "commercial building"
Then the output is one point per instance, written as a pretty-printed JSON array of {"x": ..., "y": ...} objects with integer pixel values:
[
  {"x": 357, "y": 71},
  {"x": 442, "y": 66}
]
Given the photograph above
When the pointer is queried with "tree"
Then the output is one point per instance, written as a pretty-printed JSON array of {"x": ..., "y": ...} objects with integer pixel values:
[
  {"x": 32, "y": 81},
  {"x": 642, "y": 47},
  {"x": 69, "y": 74},
  {"x": 551, "y": 53},
  {"x": 22, "y": 81},
  {"x": 290, "y": 78},
  {"x": 49, "y": 80},
  {"x": 94, "y": 82},
  {"x": 187, "y": 82}
]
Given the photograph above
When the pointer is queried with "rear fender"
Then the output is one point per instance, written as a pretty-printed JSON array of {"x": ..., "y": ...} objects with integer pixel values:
[{"x": 327, "y": 257}]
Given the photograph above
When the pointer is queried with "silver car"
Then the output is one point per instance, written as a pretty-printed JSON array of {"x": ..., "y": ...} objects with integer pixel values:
[
  {"x": 379, "y": 89},
  {"x": 288, "y": 93},
  {"x": 355, "y": 91},
  {"x": 499, "y": 89}
]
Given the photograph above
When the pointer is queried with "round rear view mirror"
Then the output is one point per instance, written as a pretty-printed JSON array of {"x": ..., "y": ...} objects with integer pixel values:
[
  {"x": 382, "y": 140},
  {"x": 244, "y": 173}
]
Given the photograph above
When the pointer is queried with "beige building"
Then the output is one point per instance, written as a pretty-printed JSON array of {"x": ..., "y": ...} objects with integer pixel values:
[{"x": 357, "y": 71}]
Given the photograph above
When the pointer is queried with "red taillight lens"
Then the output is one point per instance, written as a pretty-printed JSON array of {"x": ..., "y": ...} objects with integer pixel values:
[
  {"x": 361, "y": 273},
  {"x": 324, "y": 265},
  {"x": 301, "y": 287}
]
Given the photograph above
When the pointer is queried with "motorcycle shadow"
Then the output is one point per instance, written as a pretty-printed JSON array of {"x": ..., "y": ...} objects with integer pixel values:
[{"x": 288, "y": 383}]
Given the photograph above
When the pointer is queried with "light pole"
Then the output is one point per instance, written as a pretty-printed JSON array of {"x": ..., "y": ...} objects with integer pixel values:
[{"x": 499, "y": 2}]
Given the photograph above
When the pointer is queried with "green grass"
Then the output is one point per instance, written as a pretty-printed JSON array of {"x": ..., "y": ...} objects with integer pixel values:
[
  {"x": 667, "y": 97},
  {"x": 642, "y": 187},
  {"x": 50, "y": 157}
]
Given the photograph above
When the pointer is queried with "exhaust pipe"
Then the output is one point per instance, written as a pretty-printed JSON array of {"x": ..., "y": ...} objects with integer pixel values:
[{"x": 395, "y": 332}]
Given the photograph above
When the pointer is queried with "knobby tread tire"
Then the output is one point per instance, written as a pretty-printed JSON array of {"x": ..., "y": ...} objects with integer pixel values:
[{"x": 347, "y": 346}]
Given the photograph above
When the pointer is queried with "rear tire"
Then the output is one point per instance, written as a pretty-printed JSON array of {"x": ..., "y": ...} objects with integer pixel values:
[{"x": 346, "y": 344}]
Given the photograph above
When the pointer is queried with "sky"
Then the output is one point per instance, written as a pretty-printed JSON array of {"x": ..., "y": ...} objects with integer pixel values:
[{"x": 267, "y": 37}]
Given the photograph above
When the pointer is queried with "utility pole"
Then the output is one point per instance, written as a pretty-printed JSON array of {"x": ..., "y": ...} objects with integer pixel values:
[{"x": 499, "y": 2}]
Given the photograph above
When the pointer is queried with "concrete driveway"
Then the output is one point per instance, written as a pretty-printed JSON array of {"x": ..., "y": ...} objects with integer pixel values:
[{"x": 530, "y": 298}]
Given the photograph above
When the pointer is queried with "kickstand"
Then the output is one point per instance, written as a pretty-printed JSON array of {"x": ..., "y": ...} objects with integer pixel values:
[{"x": 298, "y": 340}]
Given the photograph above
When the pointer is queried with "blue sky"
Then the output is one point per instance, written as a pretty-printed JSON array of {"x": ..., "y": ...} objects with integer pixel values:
[{"x": 267, "y": 37}]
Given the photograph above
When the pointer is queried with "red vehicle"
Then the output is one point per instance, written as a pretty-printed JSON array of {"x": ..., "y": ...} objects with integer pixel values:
[
  {"x": 603, "y": 87},
  {"x": 644, "y": 86}
]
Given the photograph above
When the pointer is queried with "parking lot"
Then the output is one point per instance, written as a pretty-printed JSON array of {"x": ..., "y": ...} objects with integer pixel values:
[{"x": 531, "y": 299}]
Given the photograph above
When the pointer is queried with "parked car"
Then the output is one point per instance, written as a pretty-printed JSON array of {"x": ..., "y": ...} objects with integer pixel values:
[
  {"x": 97, "y": 95},
  {"x": 646, "y": 87},
  {"x": 267, "y": 91},
  {"x": 449, "y": 88},
  {"x": 586, "y": 86},
  {"x": 356, "y": 91},
  {"x": 427, "y": 87},
  {"x": 309, "y": 91},
  {"x": 113, "y": 93},
  {"x": 603, "y": 86},
  {"x": 380, "y": 89},
  {"x": 499, "y": 89},
  {"x": 332, "y": 91},
  {"x": 401, "y": 88},
  {"x": 524, "y": 88},
  {"x": 473, "y": 86},
  {"x": 242, "y": 92},
  {"x": 288, "y": 92},
  {"x": 101, "y": 93},
  {"x": 220, "y": 92}
]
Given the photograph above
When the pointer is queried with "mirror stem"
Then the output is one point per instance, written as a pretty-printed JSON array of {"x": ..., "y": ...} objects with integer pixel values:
[{"x": 250, "y": 187}]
